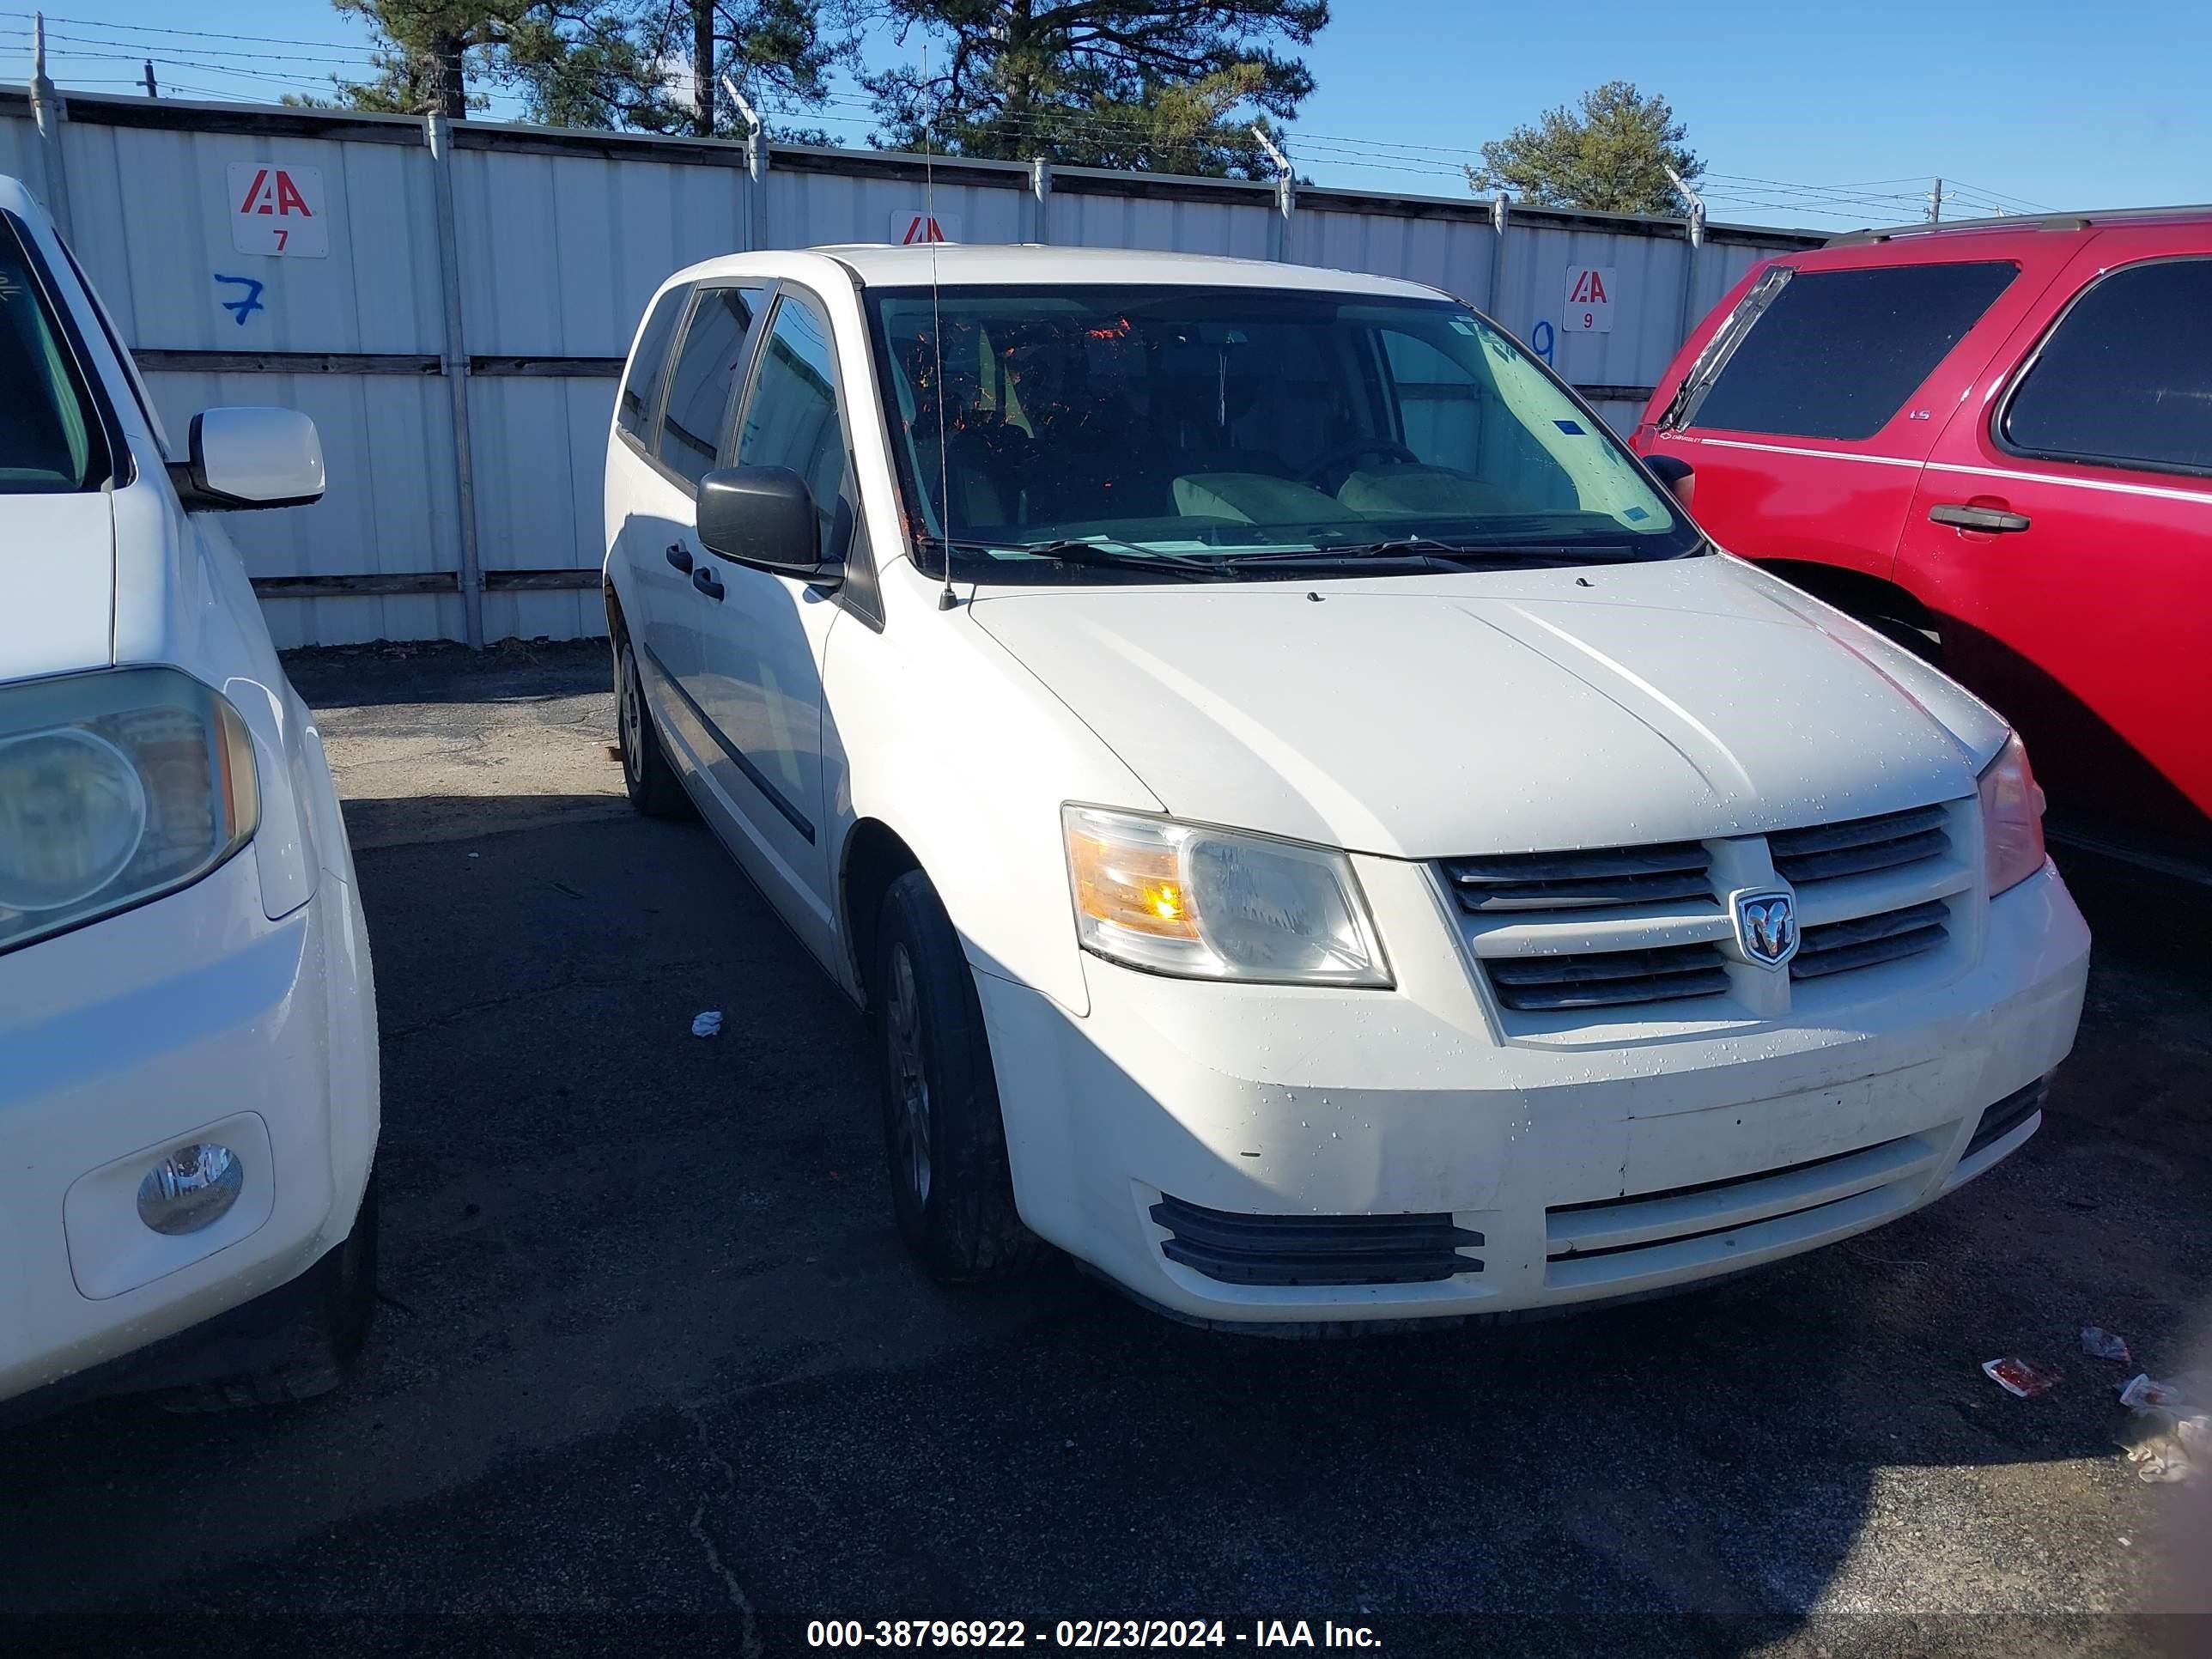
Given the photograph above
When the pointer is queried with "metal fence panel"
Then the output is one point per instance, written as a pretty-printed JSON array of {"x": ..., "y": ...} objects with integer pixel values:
[
  {"x": 560, "y": 252},
  {"x": 558, "y": 239}
]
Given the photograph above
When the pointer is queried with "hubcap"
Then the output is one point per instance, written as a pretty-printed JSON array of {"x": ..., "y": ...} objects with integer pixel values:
[
  {"x": 903, "y": 1029},
  {"x": 632, "y": 715}
]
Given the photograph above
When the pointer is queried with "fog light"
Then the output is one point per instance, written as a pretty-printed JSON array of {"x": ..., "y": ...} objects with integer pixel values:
[{"x": 192, "y": 1188}]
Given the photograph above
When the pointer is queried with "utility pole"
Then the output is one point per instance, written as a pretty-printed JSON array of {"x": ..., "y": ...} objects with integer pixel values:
[
  {"x": 1936, "y": 203},
  {"x": 152, "y": 91}
]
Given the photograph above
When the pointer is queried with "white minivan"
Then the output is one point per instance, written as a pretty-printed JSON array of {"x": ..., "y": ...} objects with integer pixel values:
[
  {"x": 188, "y": 1060},
  {"x": 1320, "y": 834}
]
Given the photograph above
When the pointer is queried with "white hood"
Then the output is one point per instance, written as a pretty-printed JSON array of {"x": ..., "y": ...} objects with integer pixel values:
[
  {"x": 1423, "y": 717},
  {"x": 58, "y": 577}
]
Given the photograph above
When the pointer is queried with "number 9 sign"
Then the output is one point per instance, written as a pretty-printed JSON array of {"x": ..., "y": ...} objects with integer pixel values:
[
  {"x": 1589, "y": 305},
  {"x": 1543, "y": 340}
]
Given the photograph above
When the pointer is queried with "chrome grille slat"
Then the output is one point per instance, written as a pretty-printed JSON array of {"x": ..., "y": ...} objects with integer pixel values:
[
  {"x": 1859, "y": 847},
  {"x": 1867, "y": 941},
  {"x": 1610, "y": 979},
  {"x": 1606, "y": 876}
]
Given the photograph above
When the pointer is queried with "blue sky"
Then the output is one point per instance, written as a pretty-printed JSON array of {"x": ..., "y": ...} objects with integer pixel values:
[{"x": 1802, "y": 117}]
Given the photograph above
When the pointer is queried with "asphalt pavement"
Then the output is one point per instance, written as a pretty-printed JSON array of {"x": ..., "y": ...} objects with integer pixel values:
[{"x": 654, "y": 1374}]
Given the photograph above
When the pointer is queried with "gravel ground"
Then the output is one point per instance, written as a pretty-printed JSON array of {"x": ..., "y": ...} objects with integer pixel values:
[{"x": 654, "y": 1374}]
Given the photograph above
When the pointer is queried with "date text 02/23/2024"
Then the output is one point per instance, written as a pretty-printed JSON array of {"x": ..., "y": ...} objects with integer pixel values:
[{"x": 1086, "y": 1633}]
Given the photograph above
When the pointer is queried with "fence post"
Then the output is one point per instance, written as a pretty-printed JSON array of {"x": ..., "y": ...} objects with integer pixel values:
[
  {"x": 1498, "y": 221},
  {"x": 438, "y": 132},
  {"x": 1040, "y": 202},
  {"x": 1693, "y": 227},
  {"x": 48, "y": 113},
  {"x": 1287, "y": 198},
  {"x": 757, "y": 154}
]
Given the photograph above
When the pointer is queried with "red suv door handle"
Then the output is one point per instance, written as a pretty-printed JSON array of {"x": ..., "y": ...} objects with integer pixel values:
[{"x": 1994, "y": 519}]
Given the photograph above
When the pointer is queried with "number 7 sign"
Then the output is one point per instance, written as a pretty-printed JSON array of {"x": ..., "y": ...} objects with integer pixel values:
[
  {"x": 277, "y": 211},
  {"x": 1589, "y": 306}
]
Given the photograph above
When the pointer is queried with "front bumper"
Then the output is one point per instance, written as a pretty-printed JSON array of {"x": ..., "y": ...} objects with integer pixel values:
[
  {"x": 1586, "y": 1172},
  {"x": 193, "y": 1018}
]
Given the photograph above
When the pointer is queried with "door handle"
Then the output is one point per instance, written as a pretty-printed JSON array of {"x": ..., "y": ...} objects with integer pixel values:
[
  {"x": 1995, "y": 519},
  {"x": 706, "y": 582},
  {"x": 679, "y": 555}
]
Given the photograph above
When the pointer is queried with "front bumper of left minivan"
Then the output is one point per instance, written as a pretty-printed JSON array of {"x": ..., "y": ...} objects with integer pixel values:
[{"x": 1246, "y": 1154}]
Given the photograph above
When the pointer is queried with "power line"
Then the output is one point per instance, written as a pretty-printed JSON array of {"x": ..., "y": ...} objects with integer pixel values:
[{"x": 202, "y": 35}]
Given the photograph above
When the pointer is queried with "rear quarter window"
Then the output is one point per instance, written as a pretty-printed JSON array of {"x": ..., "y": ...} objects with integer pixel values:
[
  {"x": 634, "y": 407},
  {"x": 1836, "y": 353},
  {"x": 2125, "y": 377}
]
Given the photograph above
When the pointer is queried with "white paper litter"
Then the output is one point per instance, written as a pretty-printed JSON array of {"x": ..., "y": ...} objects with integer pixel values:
[{"x": 707, "y": 1024}]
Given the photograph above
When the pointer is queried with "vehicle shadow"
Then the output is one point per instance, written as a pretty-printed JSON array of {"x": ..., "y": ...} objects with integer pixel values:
[{"x": 649, "y": 1346}]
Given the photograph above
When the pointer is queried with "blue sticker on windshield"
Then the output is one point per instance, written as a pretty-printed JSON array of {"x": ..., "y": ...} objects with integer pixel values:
[
  {"x": 1569, "y": 428},
  {"x": 1635, "y": 512}
]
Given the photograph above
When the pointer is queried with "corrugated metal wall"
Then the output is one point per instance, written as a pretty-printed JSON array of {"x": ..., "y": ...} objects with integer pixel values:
[{"x": 559, "y": 238}]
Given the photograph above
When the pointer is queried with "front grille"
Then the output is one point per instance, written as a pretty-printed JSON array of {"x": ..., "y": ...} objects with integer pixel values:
[
  {"x": 1840, "y": 946},
  {"x": 1609, "y": 978},
  {"x": 1239, "y": 1248},
  {"x": 2000, "y": 1120},
  {"x": 1860, "y": 847},
  {"x": 1562, "y": 881},
  {"x": 1562, "y": 937}
]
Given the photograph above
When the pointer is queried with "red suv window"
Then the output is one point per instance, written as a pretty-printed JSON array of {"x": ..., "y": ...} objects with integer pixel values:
[
  {"x": 1834, "y": 353},
  {"x": 2125, "y": 378}
]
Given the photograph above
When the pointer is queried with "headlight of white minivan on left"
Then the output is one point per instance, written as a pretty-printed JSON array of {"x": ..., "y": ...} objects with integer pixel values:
[
  {"x": 1205, "y": 904},
  {"x": 116, "y": 787}
]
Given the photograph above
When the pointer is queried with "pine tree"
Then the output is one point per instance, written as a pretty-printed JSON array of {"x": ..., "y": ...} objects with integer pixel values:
[
  {"x": 1173, "y": 87},
  {"x": 1609, "y": 155}
]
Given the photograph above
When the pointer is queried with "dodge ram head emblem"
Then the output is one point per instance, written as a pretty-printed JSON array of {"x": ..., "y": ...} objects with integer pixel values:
[{"x": 1766, "y": 925}]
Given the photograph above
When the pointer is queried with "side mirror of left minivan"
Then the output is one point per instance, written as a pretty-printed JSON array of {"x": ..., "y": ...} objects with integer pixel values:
[
  {"x": 764, "y": 517},
  {"x": 250, "y": 456}
]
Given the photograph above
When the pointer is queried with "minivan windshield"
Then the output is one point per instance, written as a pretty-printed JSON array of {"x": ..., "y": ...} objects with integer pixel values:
[
  {"x": 49, "y": 434},
  {"x": 1100, "y": 433}
]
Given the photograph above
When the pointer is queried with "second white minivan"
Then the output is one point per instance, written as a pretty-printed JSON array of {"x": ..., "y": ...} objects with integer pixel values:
[{"x": 1320, "y": 832}]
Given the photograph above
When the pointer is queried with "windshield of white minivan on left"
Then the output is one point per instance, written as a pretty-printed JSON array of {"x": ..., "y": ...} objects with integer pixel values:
[
  {"x": 1091, "y": 432},
  {"x": 51, "y": 439}
]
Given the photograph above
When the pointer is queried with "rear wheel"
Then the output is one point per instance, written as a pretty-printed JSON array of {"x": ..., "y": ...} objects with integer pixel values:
[
  {"x": 653, "y": 787},
  {"x": 943, "y": 1131}
]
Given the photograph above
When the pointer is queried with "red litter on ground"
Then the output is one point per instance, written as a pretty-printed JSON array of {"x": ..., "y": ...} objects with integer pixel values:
[{"x": 2016, "y": 1376}]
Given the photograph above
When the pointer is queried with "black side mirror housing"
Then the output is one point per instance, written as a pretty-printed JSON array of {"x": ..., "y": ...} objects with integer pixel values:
[
  {"x": 764, "y": 517},
  {"x": 1677, "y": 474}
]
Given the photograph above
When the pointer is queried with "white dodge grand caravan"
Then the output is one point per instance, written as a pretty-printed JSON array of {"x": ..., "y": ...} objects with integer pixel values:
[
  {"x": 188, "y": 1067},
  {"x": 1320, "y": 834}
]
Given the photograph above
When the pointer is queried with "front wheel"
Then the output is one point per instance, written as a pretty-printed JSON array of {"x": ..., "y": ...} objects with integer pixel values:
[
  {"x": 651, "y": 782},
  {"x": 943, "y": 1131}
]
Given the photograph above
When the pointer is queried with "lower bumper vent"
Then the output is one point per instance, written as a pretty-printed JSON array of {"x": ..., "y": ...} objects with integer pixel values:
[
  {"x": 1314, "y": 1250},
  {"x": 2001, "y": 1119}
]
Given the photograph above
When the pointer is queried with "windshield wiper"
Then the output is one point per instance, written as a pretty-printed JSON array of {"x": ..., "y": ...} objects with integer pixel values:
[
  {"x": 1097, "y": 555},
  {"x": 1431, "y": 550}
]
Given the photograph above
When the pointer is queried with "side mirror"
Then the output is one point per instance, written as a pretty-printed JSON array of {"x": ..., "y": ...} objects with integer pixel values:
[
  {"x": 250, "y": 456},
  {"x": 764, "y": 517},
  {"x": 1677, "y": 474}
]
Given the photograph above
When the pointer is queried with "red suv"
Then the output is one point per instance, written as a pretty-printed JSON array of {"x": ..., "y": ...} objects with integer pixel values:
[{"x": 1994, "y": 442}]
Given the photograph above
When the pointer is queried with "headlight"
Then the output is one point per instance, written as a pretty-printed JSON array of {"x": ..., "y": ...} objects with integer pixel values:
[
  {"x": 115, "y": 787},
  {"x": 2012, "y": 818},
  {"x": 1180, "y": 899}
]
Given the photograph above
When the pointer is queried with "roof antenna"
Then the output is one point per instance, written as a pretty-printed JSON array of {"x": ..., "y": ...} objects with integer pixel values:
[{"x": 948, "y": 599}]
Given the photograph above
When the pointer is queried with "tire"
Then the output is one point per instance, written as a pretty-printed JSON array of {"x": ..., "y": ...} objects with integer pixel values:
[
  {"x": 944, "y": 1136},
  {"x": 653, "y": 786},
  {"x": 335, "y": 1310}
]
